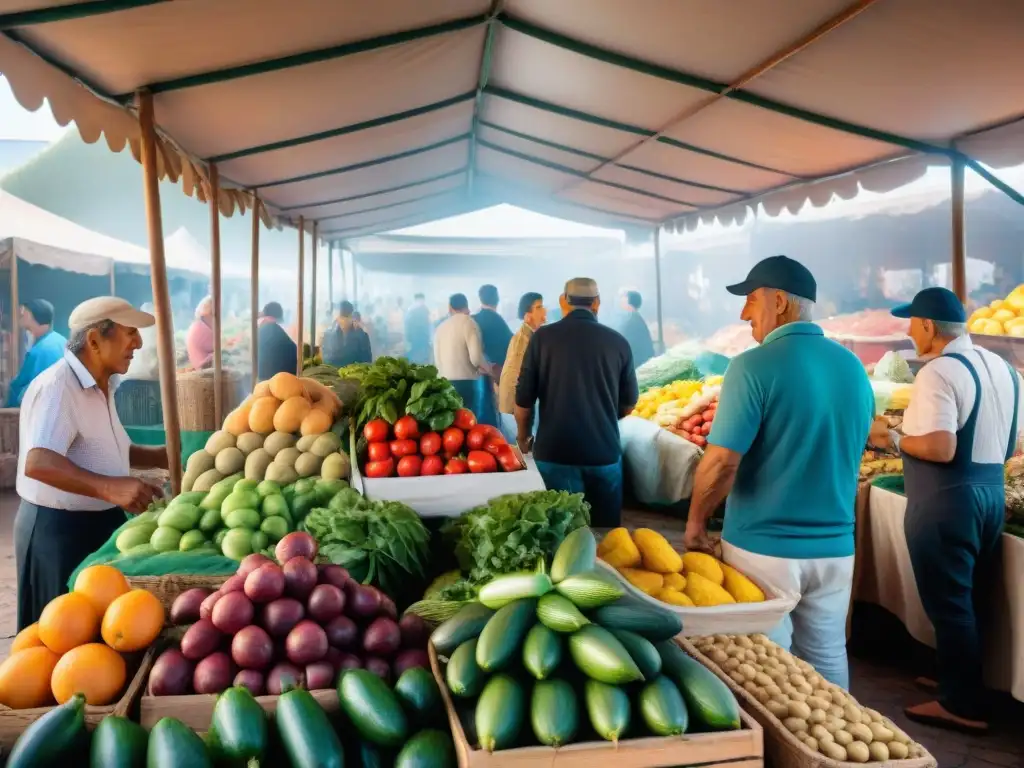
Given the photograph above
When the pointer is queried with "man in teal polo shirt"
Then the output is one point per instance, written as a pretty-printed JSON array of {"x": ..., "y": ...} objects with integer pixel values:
[{"x": 792, "y": 422}]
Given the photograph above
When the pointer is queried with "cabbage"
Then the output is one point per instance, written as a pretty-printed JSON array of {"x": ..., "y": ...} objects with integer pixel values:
[{"x": 895, "y": 368}]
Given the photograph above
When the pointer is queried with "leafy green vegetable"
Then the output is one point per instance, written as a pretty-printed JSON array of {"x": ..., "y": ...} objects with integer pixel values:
[
  {"x": 379, "y": 542},
  {"x": 392, "y": 387},
  {"x": 513, "y": 532},
  {"x": 435, "y": 611}
]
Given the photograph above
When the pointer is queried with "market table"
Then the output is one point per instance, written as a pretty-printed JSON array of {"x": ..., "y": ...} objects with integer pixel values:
[{"x": 885, "y": 577}]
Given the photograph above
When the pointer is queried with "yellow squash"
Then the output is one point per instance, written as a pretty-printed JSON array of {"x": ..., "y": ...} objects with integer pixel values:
[
  {"x": 673, "y": 597},
  {"x": 704, "y": 564},
  {"x": 705, "y": 593},
  {"x": 645, "y": 581},
  {"x": 675, "y": 581},
  {"x": 656, "y": 552},
  {"x": 618, "y": 549},
  {"x": 740, "y": 587}
]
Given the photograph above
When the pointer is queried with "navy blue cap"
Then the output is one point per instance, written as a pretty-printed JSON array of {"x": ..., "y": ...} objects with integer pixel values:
[
  {"x": 781, "y": 273},
  {"x": 938, "y": 304}
]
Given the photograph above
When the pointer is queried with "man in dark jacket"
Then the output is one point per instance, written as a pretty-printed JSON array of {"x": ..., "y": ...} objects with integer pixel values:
[
  {"x": 418, "y": 331},
  {"x": 277, "y": 351},
  {"x": 496, "y": 336},
  {"x": 635, "y": 329},
  {"x": 344, "y": 342}
]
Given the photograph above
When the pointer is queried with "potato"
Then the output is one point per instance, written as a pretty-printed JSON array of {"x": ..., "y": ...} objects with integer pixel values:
[
  {"x": 199, "y": 462},
  {"x": 836, "y": 711},
  {"x": 797, "y": 680},
  {"x": 281, "y": 474},
  {"x": 805, "y": 689},
  {"x": 897, "y": 750},
  {"x": 187, "y": 481},
  {"x": 878, "y": 751},
  {"x": 256, "y": 464},
  {"x": 782, "y": 699},
  {"x": 861, "y": 732},
  {"x": 287, "y": 457},
  {"x": 763, "y": 680},
  {"x": 852, "y": 714},
  {"x": 799, "y": 709},
  {"x": 801, "y": 735},
  {"x": 326, "y": 444},
  {"x": 815, "y": 681},
  {"x": 816, "y": 702},
  {"x": 308, "y": 464},
  {"x": 831, "y": 724},
  {"x": 304, "y": 444},
  {"x": 229, "y": 461},
  {"x": 747, "y": 671},
  {"x": 838, "y": 697},
  {"x": 817, "y": 716},
  {"x": 858, "y": 752},
  {"x": 797, "y": 696},
  {"x": 820, "y": 733},
  {"x": 794, "y": 724},
  {"x": 914, "y": 750},
  {"x": 812, "y": 743},
  {"x": 218, "y": 441},
  {"x": 207, "y": 480},
  {"x": 751, "y": 688},
  {"x": 738, "y": 678},
  {"x": 842, "y": 737},
  {"x": 248, "y": 442},
  {"x": 750, "y": 656},
  {"x": 730, "y": 664},
  {"x": 897, "y": 733},
  {"x": 833, "y": 750},
  {"x": 744, "y": 642},
  {"x": 873, "y": 715},
  {"x": 719, "y": 656},
  {"x": 880, "y": 733},
  {"x": 772, "y": 689},
  {"x": 761, "y": 696},
  {"x": 277, "y": 442},
  {"x": 760, "y": 639},
  {"x": 777, "y": 708}
]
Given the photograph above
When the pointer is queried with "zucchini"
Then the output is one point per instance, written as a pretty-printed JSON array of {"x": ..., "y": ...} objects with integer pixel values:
[
  {"x": 558, "y": 613},
  {"x": 554, "y": 712},
  {"x": 307, "y": 735},
  {"x": 464, "y": 677},
  {"x": 576, "y": 554},
  {"x": 499, "y": 713},
  {"x": 591, "y": 590},
  {"x": 608, "y": 709},
  {"x": 373, "y": 708},
  {"x": 641, "y": 650},
  {"x": 172, "y": 744},
  {"x": 708, "y": 699},
  {"x": 663, "y": 708},
  {"x": 601, "y": 657},
  {"x": 238, "y": 727},
  {"x": 53, "y": 738},
  {"x": 365, "y": 754},
  {"x": 427, "y": 749},
  {"x": 468, "y": 623},
  {"x": 503, "y": 636},
  {"x": 656, "y": 624},
  {"x": 417, "y": 691},
  {"x": 503, "y": 590},
  {"x": 542, "y": 652},
  {"x": 117, "y": 742}
]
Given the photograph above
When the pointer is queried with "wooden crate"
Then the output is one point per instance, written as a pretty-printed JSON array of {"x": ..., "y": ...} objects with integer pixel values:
[
  {"x": 14, "y": 721},
  {"x": 169, "y": 586},
  {"x": 781, "y": 746},
  {"x": 735, "y": 749}
]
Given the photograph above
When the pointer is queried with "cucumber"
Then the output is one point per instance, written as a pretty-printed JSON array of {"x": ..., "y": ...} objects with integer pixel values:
[
  {"x": 601, "y": 657},
  {"x": 554, "y": 712},
  {"x": 117, "y": 742},
  {"x": 641, "y": 650},
  {"x": 576, "y": 554},
  {"x": 499, "y": 713},
  {"x": 172, "y": 744},
  {"x": 708, "y": 699},
  {"x": 503, "y": 636},
  {"x": 238, "y": 728},
  {"x": 307, "y": 735},
  {"x": 608, "y": 709},
  {"x": 464, "y": 625},
  {"x": 365, "y": 754},
  {"x": 503, "y": 590},
  {"x": 542, "y": 652},
  {"x": 52, "y": 739},
  {"x": 373, "y": 708},
  {"x": 653, "y": 623},
  {"x": 558, "y": 613},
  {"x": 464, "y": 677},
  {"x": 591, "y": 590},
  {"x": 417, "y": 691},
  {"x": 427, "y": 749},
  {"x": 663, "y": 708}
]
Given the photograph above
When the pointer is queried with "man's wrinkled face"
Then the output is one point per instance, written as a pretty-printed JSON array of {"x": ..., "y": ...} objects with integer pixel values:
[
  {"x": 763, "y": 310},
  {"x": 116, "y": 349},
  {"x": 923, "y": 334}
]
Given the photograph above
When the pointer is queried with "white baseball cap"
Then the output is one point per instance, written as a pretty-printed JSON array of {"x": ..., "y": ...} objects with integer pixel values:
[{"x": 111, "y": 308}]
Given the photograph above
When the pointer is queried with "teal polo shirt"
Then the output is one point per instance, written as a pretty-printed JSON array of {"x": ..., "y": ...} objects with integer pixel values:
[{"x": 798, "y": 408}]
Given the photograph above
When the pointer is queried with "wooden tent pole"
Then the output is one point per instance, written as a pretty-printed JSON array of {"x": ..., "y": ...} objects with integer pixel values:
[
  {"x": 299, "y": 313},
  {"x": 657, "y": 282},
  {"x": 161, "y": 298},
  {"x": 113, "y": 280},
  {"x": 254, "y": 289},
  {"x": 959, "y": 254},
  {"x": 312, "y": 297},
  {"x": 215, "y": 292}
]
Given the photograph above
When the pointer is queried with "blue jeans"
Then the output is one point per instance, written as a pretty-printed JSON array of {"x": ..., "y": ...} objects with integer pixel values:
[
  {"x": 600, "y": 486},
  {"x": 488, "y": 413},
  {"x": 469, "y": 391}
]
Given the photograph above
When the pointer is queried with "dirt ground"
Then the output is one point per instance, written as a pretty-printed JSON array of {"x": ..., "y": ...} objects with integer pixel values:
[{"x": 885, "y": 688}]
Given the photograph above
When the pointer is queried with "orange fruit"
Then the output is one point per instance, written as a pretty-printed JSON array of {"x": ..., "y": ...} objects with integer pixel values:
[
  {"x": 68, "y": 621},
  {"x": 25, "y": 678},
  {"x": 27, "y": 638},
  {"x": 133, "y": 621},
  {"x": 101, "y": 584},
  {"x": 92, "y": 669}
]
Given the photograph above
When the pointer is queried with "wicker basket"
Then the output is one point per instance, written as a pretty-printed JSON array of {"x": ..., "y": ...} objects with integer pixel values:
[
  {"x": 138, "y": 403},
  {"x": 168, "y": 587},
  {"x": 781, "y": 747},
  {"x": 195, "y": 398},
  {"x": 13, "y": 722},
  {"x": 9, "y": 427}
]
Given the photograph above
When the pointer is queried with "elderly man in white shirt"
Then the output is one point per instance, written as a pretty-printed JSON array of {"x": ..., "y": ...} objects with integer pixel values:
[
  {"x": 960, "y": 429},
  {"x": 459, "y": 352},
  {"x": 75, "y": 456}
]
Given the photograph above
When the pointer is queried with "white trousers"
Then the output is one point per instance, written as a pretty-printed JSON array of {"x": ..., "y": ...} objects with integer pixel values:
[{"x": 816, "y": 629}]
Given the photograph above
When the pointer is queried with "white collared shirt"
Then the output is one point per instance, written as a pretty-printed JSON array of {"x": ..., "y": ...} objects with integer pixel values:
[
  {"x": 458, "y": 348},
  {"x": 65, "y": 412},
  {"x": 944, "y": 395}
]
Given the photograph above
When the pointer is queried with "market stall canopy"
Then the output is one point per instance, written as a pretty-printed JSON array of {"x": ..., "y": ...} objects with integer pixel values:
[{"x": 370, "y": 117}]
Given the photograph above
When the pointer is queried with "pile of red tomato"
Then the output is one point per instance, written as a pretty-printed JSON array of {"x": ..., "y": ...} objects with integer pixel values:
[{"x": 404, "y": 450}]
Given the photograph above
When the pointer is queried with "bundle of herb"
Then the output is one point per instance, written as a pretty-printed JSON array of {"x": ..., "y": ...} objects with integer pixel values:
[
  {"x": 379, "y": 542},
  {"x": 513, "y": 532},
  {"x": 434, "y": 402}
]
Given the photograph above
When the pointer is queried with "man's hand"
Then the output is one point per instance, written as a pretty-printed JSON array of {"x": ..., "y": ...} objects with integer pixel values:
[
  {"x": 879, "y": 436},
  {"x": 525, "y": 443},
  {"x": 131, "y": 494},
  {"x": 696, "y": 539}
]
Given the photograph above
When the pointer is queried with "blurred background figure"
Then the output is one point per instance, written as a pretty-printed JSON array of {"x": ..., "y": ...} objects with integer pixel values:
[
  {"x": 199, "y": 339},
  {"x": 345, "y": 342},
  {"x": 418, "y": 330},
  {"x": 496, "y": 336},
  {"x": 534, "y": 315},
  {"x": 277, "y": 352},
  {"x": 459, "y": 353},
  {"x": 635, "y": 328},
  {"x": 47, "y": 347}
]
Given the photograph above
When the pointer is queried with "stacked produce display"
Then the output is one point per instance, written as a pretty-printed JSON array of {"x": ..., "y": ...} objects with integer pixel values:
[
  {"x": 559, "y": 652},
  {"x": 692, "y": 579},
  {"x": 77, "y": 646},
  {"x": 1000, "y": 318},
  {"x": 685, "y": 408}
]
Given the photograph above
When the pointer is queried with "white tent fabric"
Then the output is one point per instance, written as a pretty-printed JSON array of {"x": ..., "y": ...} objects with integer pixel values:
[{"x": 375, "y": 116}]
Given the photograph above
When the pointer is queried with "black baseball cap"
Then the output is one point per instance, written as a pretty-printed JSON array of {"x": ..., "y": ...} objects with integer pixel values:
[
  {"x": 938, "y": 304},
  {"x": 781, "y": 273},
  {"x": 273, "y": 309}
]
